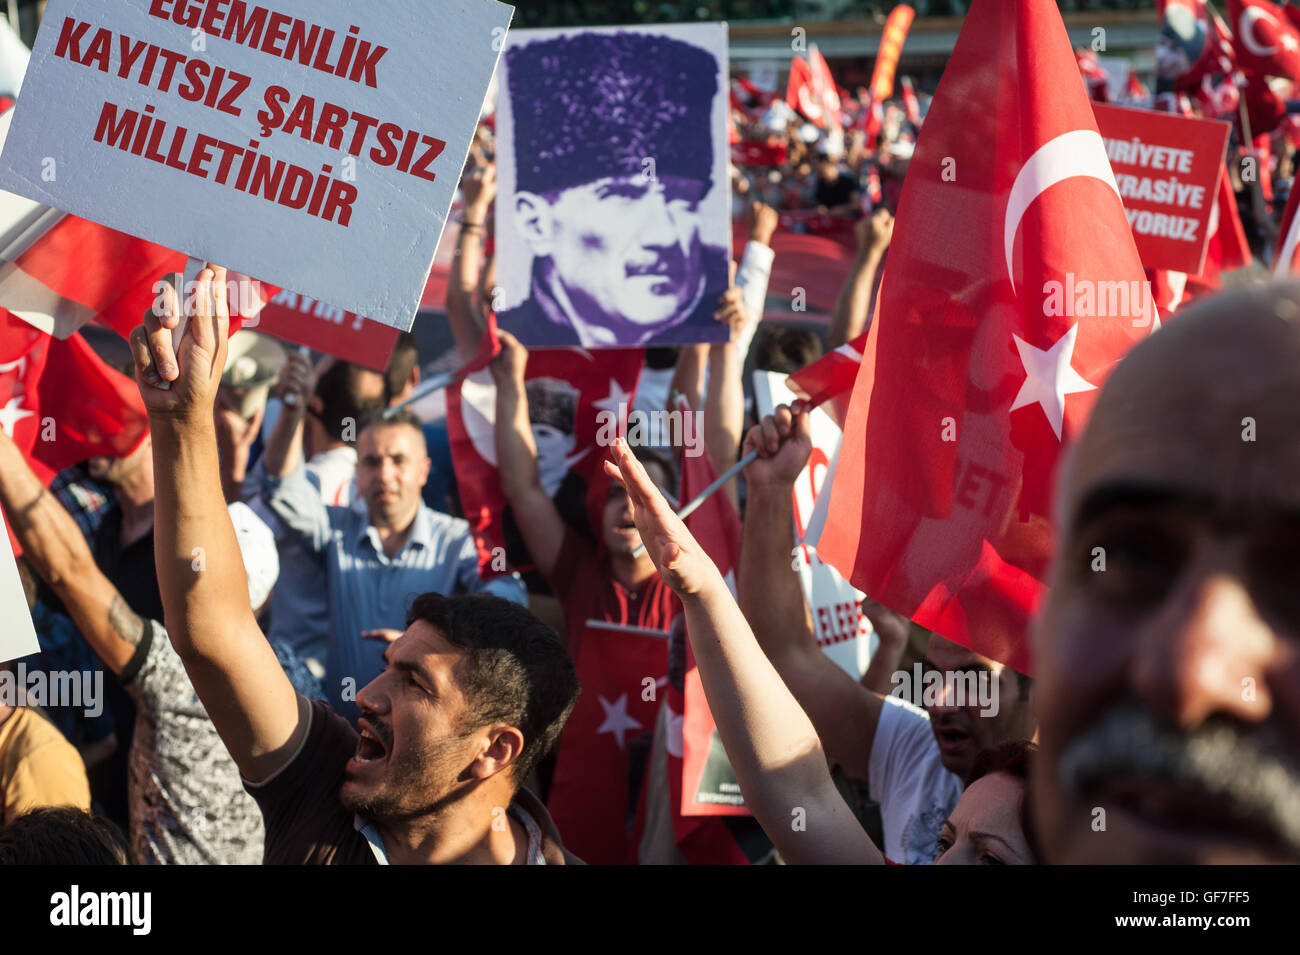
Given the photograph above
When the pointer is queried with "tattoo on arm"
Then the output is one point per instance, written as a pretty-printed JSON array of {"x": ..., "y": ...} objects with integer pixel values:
[{"x": 124, "y": 621}]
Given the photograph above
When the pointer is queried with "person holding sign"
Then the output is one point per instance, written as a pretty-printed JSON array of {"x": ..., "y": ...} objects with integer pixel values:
[{"x": 473, "y": 693}]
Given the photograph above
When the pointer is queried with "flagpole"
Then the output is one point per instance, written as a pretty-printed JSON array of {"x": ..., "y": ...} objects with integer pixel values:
[
  {"x": 1256, "y": 188},
  {"x": 709, "y": 491},
  {"x": 437, "y": 383}
]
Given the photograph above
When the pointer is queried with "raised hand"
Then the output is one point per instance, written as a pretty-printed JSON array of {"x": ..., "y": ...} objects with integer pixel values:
[
  {"x": 876, "y": 232},
  {"x": 784, "y": 443},
  {"x": 479, "y": 188},
  {"x": 731, "y": 307},
  {"x": 677, "y": 556},
  {"x": 194, "y": 370},
  {"x": 508, "y": 367},
  {"x": 296, "y": 383},
  {"x": 763, "y": 220}
]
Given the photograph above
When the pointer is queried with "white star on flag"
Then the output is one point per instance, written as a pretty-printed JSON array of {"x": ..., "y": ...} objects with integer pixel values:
[
  {"x": 616, "y": 719},
  {"x": 1050, "y": 377},
  {"x": 11, "y": 414},
  {"x": 617, "y": 396}
]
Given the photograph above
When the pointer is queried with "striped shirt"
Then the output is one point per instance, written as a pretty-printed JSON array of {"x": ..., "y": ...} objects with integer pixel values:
[{"x": 369, "y": 590}]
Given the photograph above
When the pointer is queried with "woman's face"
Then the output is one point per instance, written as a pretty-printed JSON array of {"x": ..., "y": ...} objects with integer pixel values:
[{"x": 984, "y": 828}]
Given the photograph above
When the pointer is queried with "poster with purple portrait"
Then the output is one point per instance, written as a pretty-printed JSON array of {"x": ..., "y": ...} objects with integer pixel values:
[{"x": 612, "y": 225}]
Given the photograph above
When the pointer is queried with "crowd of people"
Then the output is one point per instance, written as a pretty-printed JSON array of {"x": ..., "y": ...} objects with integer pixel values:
[{"x": 309, "y": 661}]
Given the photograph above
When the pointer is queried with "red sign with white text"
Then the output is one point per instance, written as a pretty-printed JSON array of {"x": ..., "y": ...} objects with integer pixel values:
[
  {"x": 1167, "y": 169},
  {"x": 305, "y": 321}
]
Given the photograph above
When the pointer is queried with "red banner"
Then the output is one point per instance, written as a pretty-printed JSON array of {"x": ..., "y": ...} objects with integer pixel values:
[
  {"x": 305, "y": 321},
  {"x": 891, "y": 48},
  {"x": 1167, "y": 168}
]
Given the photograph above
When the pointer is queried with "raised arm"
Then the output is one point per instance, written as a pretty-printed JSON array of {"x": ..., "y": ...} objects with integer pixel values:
[
  {"x": 724, "y": 398},
  {"x": 521, "y": 482},
  {"x": 772, "y": 745},
  {"x": 767, "y": 585},
  {"x": 851, "y": 313},
  {"x": 479, "y": 187},
  {"x": 283, "y": 452},
  {"x": 59, "y": 554},
  {"x": 200, "y": 572}
]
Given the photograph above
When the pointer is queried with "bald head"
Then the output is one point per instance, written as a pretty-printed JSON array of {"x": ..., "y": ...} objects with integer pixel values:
[
  {"x": 1168, "y": 671},
  {"x": 1210, "y": 405}
]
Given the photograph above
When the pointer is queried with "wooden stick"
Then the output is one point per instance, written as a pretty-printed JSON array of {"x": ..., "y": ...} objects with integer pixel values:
[{"x": 709, "y": 491}]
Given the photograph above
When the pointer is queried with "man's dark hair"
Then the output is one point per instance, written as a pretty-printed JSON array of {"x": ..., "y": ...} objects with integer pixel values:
[
  {"x": 785, "y": 350},
  {"x": 651, "y": 456},
  {"x": 339, "y": 391},
  {"x": 61, "y": 835},
  {"x": 378, "y": 418},
  {"x": 405, "y": 357},
  {"x": 517, "y": 671},
  {"x": 1025, "y": 683},
  {"x": 1015, "y": 758}
]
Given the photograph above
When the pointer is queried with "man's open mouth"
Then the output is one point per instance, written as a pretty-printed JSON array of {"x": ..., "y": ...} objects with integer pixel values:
[
  {"x": 370, "y": 746},
  {"x": 950, "y": 737}
]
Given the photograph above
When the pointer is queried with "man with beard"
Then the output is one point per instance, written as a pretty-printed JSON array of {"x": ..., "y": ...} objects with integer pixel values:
[
  {"x": 376, "y": 558},
  {"x": 613, "y": 158},
  {"x": 472, "y": 695},
  {"x": 1170, "y": 679}
]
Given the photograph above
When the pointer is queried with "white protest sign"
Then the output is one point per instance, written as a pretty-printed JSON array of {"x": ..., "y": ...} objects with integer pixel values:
[
  {"x": 314, "y": 144},
  {"x": 17, "y": 635},
  {"x": 842, "y": 630}
]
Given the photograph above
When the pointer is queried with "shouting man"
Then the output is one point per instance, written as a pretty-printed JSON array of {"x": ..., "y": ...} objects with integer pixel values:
[{"x": 473, "y": 693}]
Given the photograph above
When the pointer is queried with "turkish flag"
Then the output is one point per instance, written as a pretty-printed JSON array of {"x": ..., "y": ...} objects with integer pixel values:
[
  {"x": 61, "y": 404},
  {"x": 1202, "y": 38},
  {"x": 812, "y": 90},
  {"x": 568, "y": 388},
  {"x": 1284, "y": 260},
  {"x": 591, "y": 790},
  {"x": 1013, "y": 287},
  {"x": 831, "y": 378},
  {"x": 911, "y": 105},
  {"x": 1264, "y": 38}
]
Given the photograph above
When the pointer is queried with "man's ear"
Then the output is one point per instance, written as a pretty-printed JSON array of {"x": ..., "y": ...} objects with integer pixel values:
[
  {"x": 504, "y": 746},
  {"x": 533, "y": 221}
]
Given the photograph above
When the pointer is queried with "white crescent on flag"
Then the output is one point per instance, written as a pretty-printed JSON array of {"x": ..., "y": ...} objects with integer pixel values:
[
  {"x": 1246, "y": 27},
  {"x": 1077, "y": 153}
]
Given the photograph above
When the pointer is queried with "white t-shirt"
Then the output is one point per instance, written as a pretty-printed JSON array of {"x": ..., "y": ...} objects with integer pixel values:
[{"x": 916, "y": 793}]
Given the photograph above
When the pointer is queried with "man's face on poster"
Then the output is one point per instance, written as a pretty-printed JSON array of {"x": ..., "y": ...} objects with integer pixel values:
[{"x": 626, "y": 249}]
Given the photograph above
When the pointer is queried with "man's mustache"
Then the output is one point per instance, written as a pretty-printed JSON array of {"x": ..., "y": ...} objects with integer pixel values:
[
  {"x": 668, "y": 263},
  {"x": 1250, "y": 771}
]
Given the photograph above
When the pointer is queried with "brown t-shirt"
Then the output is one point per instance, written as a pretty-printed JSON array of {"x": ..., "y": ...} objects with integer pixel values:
[
  {"x": 38, "y": 766},
  {"x": 307, "y": 825}
]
